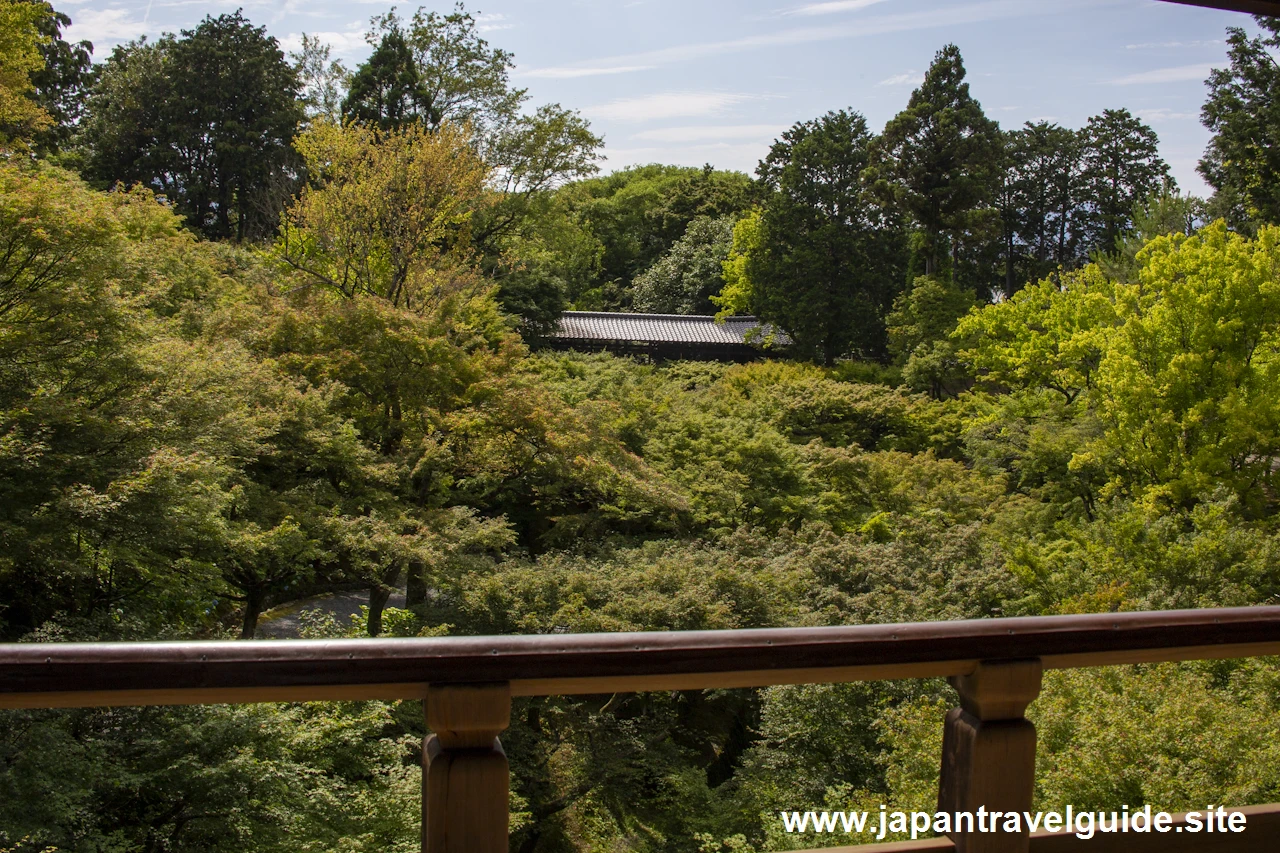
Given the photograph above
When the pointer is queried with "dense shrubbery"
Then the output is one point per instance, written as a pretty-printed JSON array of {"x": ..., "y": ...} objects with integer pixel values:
[{"x": 193, "y": 431}]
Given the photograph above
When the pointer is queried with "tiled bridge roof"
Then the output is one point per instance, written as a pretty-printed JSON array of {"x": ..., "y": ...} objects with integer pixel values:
[{"x": 658, "y": 329}]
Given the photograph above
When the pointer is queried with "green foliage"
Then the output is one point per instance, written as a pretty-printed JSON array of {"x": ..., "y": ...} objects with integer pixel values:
[
  {"x": 464, "y": 79},
  {"x": 637, "y": 214},
  {"x": 62, "y": 85},
  {"x": 191, "y": 432},
  {"x": 684, "y": 279},
  {"x": 735, "y": 297},
  {"x": 1041, "y": 202},
  {"x": 1121, "y": 167},
  {"x": 322, "y": 78},
  {"x": 385, "y": 211},
  {"x": 937, "y": 159},
  {"x": 20, "y": 58},
  {"x": 1167, "y": 212},
  {"x": 1048, "y": 335},
  {"x": 386, "y": 90},
  {"x": 1136, "y": 735},
  {"x": 828, "y": 254},
  {"x": 1189, "y": 382},
  {"x": 152, "y": 109},
  {"x": 1243, "y": 114},
  {"x": 293, "y": 777},
  {"x": 922, "y": 319}
]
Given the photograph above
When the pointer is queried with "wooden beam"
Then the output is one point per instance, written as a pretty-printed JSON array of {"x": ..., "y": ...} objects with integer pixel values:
[{"x": 90, "y": 674}]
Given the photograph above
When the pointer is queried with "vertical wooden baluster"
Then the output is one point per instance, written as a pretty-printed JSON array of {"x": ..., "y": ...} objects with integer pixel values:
[
  {"x": 465, "y": 778},
  {"x": 989, "y": 751}
]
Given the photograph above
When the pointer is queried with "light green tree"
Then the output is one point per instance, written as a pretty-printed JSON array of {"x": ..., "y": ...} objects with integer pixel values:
[
  {"x": 922, "y": 319},
  {"x": 20, "y": 57},
  {"x": 1189, "y": 382}
]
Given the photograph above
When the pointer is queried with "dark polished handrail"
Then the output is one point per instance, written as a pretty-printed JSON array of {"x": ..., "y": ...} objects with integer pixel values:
[{"x": 85, "y": 673}]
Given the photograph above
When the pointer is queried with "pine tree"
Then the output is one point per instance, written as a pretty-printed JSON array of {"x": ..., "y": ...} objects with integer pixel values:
[{"x": 938, "y": 160}]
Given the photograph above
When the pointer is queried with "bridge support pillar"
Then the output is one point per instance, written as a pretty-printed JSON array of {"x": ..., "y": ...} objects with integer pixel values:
[
  {"x": 989, "y": 756},
  {"x": 465, "y": 777}
]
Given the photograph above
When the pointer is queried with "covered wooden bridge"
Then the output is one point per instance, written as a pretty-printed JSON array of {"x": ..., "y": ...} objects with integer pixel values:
[{"x": 666, "y": 337}]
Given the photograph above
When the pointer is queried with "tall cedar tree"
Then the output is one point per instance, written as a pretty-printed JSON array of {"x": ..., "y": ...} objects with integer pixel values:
[
  {"x": 938, "y": 160},
  {"x": 387, "y": 91},
  {"x": 207, "y": 119},
  {"x": 829, "y": 252},
  {"x": 1242, "y": 161},
  {"x": 1121, "y": 167},
  {"x": 1042, "y": 191}
]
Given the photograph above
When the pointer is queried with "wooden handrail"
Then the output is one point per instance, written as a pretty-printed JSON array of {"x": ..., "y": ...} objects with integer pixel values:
[
  {"x": 95, "y": 674},
  {"x": 466, "y": 684}
]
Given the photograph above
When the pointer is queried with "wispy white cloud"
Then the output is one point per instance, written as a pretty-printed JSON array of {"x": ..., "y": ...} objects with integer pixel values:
[
  {"x": 907, "y": 78},
  {"x": 666, "y": 105},
  {"x": 570, "y": 72},
  {"x": 944, "y": 18},
  {"x": 1177, "y": 74},
  {"x": 712, "y": 133},
  {"x": 106, "y": 26},
  {"x": 344, "y": 44},
  {"x": 832, "y": 7},
  {"x": 1171, "y": 44},
  {"x": 490, "y": 21},
  {"x": 1161, "y": 114}
]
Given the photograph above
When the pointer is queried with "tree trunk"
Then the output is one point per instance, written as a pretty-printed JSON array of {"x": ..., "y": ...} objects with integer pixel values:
[
  {"x": 378, "y": 596},
  {"x": 416, "y": 585},
  {"x": 1008, "y": 265},
  {"x": 253, "y": 600},
  {"x": 379, "y": 593}
]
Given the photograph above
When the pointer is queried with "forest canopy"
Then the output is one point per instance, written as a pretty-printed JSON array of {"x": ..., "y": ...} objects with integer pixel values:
[{"x": 302, "y": 358}]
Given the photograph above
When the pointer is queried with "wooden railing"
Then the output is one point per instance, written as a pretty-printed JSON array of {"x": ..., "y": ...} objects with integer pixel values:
[{"x": 466, "y": 684}]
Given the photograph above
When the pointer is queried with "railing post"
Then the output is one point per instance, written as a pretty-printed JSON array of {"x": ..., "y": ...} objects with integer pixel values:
[
  {"x": 989, "y": 754},
  {"x": 465, "y": 778}
]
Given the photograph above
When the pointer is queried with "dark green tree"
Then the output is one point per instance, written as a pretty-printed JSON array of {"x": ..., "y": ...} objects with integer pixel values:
[
  {"x": 1242, "y": 161},
  {"x": 386, "y": 91},
  {"x": 1040, "y": 202},
  {"x": 62, "y": 86},
  {"x": 208, "y": 119},
  {"x": 637, "y": 214},
  {"x": 938, "y": 160},
  {"x": 830, "y": 253},
  {"x": 464, "y": 78},
  {"x": 1120, "y": 168}
]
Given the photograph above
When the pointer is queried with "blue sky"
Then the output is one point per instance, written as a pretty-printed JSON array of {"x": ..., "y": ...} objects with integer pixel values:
[{"x": 698, "y": 81}]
